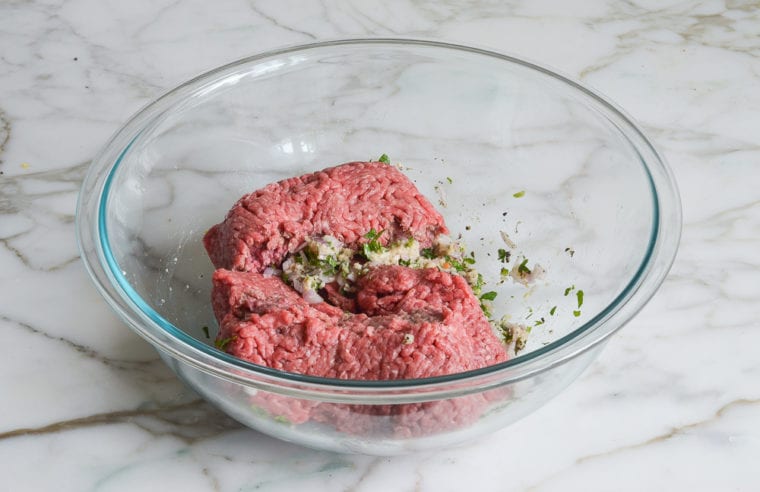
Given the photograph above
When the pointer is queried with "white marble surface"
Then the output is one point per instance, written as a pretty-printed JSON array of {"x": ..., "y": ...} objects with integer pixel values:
[{"x": 673, "y": 403}]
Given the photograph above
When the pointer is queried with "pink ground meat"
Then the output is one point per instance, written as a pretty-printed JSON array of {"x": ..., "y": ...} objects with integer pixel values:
[
  {"x": 413, "y": 324},
  {"x": 344, "y": 201},
  {"x": 400, "y": 323}
]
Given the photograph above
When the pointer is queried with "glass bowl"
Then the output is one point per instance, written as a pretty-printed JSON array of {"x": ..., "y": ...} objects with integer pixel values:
[{"x": 514, "y": 156}]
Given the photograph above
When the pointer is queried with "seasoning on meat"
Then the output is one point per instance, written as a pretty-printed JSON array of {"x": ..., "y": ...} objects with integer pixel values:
[
  {"x": 345, "y": 202},
  {"x": 361, "y": 236},
  {"x": 349, "y": 273}
]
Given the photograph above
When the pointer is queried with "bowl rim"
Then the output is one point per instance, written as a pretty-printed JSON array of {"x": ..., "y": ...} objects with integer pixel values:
[{"x": 92, "y": 238}]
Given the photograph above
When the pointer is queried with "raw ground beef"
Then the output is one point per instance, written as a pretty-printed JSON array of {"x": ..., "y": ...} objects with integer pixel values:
[
  {"x": 413, "y": 324},
  {"x": 344, "y": 201},
  {"x": 401, "y": 420},
  {"x": 400, "y": 323}
]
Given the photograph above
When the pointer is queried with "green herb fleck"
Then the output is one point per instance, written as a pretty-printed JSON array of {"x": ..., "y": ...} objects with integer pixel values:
[
  {"x": 507, "y": 333},
  {"x": 282, "y": 419},
  {"x": 504, "y": 255},
  {"x": 222, "y": 344},
  {"x": 205, "y": 331},
  {"x": 404, "y": 262},
  {"x": 330, "y": 264},
  {"x": 576, "y": 313},
  {"x": 552, "y": 311},
  {"x": 457, "y": 265},
  {"x": 504, "y": 272},
  {"x": 257, "y": 410},
  {"x": 449, "y": 179},
  {"x": 384, "y": 158},
  {"x": 311, "y": 256},
  {"x": 519, "y": 194},
  {"x": 539, "y": 322},
  {"x": 373, "y": 245},
  {"x": 489, "y": 296},
  {"x": 569, "y": 289},
  {"x": 427, "y": 253},
  {"x": 579, "y": 295},
  {"x": 522, "y": 268},
  {"x": 480, "y": 281}
]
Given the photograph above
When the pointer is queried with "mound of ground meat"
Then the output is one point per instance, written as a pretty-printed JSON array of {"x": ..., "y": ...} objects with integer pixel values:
[
  {"x": 402, "y": 322},
  {"x": 412, "y": 324}
]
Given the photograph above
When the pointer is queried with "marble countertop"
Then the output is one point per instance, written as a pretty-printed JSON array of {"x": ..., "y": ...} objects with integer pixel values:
[{"x": 673, "y": 402}]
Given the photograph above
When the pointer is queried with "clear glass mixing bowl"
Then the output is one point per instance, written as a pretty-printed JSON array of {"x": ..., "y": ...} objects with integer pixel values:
[{"x": 474, "y": 130}]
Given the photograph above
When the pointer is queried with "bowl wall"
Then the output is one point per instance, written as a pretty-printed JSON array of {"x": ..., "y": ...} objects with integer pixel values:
[
  {"x": 514, "y": 157},
  {"x": 401, "y": 428},
  {"x": 492, "y": 129}
]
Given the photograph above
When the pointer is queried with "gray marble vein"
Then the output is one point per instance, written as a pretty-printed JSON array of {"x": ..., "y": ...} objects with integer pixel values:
[{"x": 671, "y": 404}]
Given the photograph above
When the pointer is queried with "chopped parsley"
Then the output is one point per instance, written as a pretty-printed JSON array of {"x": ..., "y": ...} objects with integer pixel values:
[
  {"x": 522, "y": 268},
  {"x": 384, "y": 158},
  {"x": 373, "y": 245},
  {"x": 513, "y": 333},
  {"x": 479, "y": 282},
  {"x": 311, "y": 256},
  {"x": 457, "y": 265},
  {"x": 449, "y": 179},
  {"x": 579, "y": 295},
  {"x": 332, "y": 262},
  {"x": 282, "y": 419},
  {"x": 485, "y": 298},
  {"x": 428, "y": 253},
  {"x": 576, "y": 313},
  {"x": 552, "y": 311},
  {"x": 519, "y": 194},
  {"x": 504, "y": 255},
  {"x": 504, "y": 272},
  {"x": 569, "y": 289},
  {"x": 489, "y": 296},
  {"x": 205, "y": 331},
  {"x": 222, "y": 344}
]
